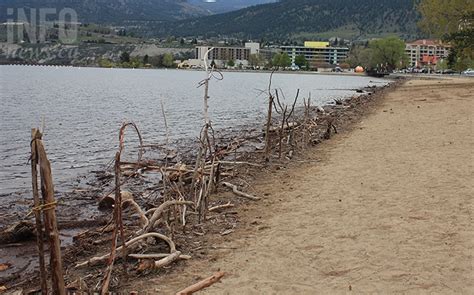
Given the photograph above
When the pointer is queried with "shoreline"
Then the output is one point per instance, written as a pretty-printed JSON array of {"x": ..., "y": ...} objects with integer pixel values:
[
  {"x": 366, "y": 212},
  {"x": 347, "y": 73},
  {"x": 90, "y": 197}
]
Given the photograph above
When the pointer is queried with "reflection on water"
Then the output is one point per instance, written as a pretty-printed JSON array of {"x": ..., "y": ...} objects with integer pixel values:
[{"x": 83, "y": 109}]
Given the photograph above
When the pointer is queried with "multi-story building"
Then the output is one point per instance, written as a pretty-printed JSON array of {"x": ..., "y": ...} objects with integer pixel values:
[
  {"x": 222, "y": 55},
  {"x": 318, "y": 54},
  {"x": 422, "y": 53}
]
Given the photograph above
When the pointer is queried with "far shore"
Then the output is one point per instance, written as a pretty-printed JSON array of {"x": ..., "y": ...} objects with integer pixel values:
[{"x": 345, "y": 73}]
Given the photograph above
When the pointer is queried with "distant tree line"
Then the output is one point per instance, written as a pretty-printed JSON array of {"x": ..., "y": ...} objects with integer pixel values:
[
  {"x": 126, "y": 61},
  {"x": 388, "y": 53}
]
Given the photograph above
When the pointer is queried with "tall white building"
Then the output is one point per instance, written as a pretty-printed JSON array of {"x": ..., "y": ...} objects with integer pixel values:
[
  {"x": 425, "y": 52},
  {"x": 318, "y": 54},
  {"x": 222, "y": 55}
]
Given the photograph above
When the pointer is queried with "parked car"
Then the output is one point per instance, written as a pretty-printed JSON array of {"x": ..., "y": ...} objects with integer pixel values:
[
  {"x": 449, "y": 72},
  {"x": 468, "y": 72},
  {"x": 295, "y": 68}
]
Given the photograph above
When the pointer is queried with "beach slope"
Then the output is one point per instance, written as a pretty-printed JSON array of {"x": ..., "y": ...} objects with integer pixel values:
[{"x": 385, "y": 208}]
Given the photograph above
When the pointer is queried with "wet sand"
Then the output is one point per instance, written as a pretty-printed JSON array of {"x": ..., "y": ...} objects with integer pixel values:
[{"x": 385, "y": 208}]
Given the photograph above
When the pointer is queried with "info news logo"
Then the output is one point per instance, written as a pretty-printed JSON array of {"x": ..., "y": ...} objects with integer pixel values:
[{"x": 41, "y": 25}]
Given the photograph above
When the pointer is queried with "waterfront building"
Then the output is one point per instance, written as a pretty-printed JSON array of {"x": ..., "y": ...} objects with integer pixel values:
[
  {"x": 426, "y": 53},
  {"x": 318, "y": 54},
  {"x": 221, "y": 55}
]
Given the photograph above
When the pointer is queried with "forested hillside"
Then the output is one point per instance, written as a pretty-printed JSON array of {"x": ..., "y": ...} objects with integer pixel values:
[
  {"x": 306, "y": 18},
  {"x": 112, "y": 11}
]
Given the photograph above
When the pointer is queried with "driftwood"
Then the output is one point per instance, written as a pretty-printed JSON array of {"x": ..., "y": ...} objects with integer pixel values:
[
  {"x": 202, "y": 284},
  {"x": 49, "y": 215},
  {"x": 220, "y": 207},
  {"x": 157, "y": 256},
  {"x": 236, "y": 191},
  {"x": 151, "y": 264},
  {"x": 284, "y": 127},
  {"x": 129, "y": 245},
  {"x": 35, "y": 134},
  {"x": 108, "y": 201},
  {"x": 22, "y": 231},
  {"x": 143, "y": 219},
  {"x": 118, "y": 221},
  {"x": 26, "y": 231},
  {"x": 157, "y": 214},
  {"x": 239, "y": 163},
  {"x": 117, "y": 217}
]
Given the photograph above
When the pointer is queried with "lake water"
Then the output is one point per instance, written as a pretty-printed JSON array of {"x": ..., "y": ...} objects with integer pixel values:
[{"x": 83, "y": 108}]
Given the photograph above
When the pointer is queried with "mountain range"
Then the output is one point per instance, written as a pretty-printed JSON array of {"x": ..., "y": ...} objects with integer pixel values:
[
  {"x": 290, "y": 19},
  {"x": 116, "y": 12},
  {"x": 221, "y": 6},
  {"x": 281, "y": 20}
]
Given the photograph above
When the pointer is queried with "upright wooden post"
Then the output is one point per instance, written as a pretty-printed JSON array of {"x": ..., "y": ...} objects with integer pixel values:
[
  {"x": 49, "y": 215},
  {"x": 39, "y": 221}
]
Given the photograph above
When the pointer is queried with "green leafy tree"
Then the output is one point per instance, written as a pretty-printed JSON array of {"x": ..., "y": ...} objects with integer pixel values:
[
  {"x": 453, "y": 21},
  {"x": 231, "y": 63},
  {"x": 146, "y": 59},
  {"x": 442, "y": 65},
  {"x": 125, "y": 57},
  {"x": 135, "y": 62},
  {"x": 256, "y": 60},
  {"x": 168, "y": 60},
  {"x": 281, "y": 60},
  {"x": 444, "y": 17},
  {"x": 106, "y": 63},
  {"x": 388, "y": 52},
  {"x": 301, "y": 61},
  {"x": 156, "y": 61}
]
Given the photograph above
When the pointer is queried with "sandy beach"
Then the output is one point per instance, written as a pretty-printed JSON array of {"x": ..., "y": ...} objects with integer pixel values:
[{"x": 384, "y": 208}]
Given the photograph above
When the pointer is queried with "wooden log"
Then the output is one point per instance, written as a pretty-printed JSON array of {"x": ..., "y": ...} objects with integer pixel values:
[
  {"x": 117, "y": 222},
  {"x": 36, "y": 135},
  {"x": 236, "y": 191},
  {"x": 50, "y": 224},
  {"x": 202, "y": 284},
  {"x": 39, "y": 223},
  {"x": 19, "y": 232}
]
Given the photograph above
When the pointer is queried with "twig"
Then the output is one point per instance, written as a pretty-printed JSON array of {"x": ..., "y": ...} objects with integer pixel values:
[
  {"x": 202, "y": 284},
  {"x": 155, "y": 256},
  {"x": 219, "y": 207},
  {"x": 240, "y": 163},
  {"x": 239, "y": 193}
]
